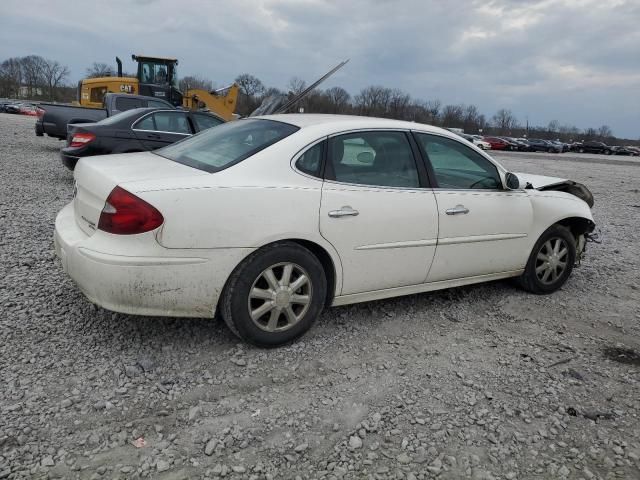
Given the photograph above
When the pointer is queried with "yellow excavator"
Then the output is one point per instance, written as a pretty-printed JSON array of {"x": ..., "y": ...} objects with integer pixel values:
[{"x": 158, "y": 77}]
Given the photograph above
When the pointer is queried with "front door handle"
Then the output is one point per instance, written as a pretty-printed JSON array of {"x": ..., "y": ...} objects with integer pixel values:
[
  {"x": 458, "y": 209},
  {"x": 345, "y": 211}
]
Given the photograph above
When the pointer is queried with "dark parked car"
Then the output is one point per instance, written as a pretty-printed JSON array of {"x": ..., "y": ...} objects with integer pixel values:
[
  {"x": 133, "y": 131},
  {"x": 13, "y": 108},
  {"x": 594, "y": 147},
  {"x": 624, "y": 151},
  {"x": 54, "y": 118},
  {"x": 518, "y": 144},
  {"x": 539, "y": 145}
]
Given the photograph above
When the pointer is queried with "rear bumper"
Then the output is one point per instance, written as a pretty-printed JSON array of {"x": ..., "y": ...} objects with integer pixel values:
[
  {"x": 68, "y": 161},
  {"x": 161, "y": 282}
]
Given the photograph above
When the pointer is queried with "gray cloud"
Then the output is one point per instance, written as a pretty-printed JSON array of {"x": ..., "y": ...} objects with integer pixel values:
[{"x": 577, "y": 61}]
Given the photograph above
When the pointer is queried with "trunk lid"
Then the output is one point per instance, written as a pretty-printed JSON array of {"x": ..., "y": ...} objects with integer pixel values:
[{"x": 95, "y": 177}]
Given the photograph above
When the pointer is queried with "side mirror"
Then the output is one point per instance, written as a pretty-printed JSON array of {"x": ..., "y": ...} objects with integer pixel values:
[{"x": 512, "y": 181}]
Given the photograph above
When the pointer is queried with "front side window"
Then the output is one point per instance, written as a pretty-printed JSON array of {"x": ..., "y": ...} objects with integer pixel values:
[
  {"x": 175, "y": 122},
  {"x": 219, "y": 148},
  {"x": 204, "y": 121},
  {"x": 457, "y": 166},
  {"x": 376, "y": 158}
]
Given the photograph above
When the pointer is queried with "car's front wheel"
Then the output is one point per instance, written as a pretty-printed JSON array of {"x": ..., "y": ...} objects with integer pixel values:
[
  {"x": 274, "y": 295},
  {"x": 551, "y": 261}
]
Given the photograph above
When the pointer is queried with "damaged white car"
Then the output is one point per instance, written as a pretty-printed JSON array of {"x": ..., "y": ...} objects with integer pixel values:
[{"x": 268, "y": 220}]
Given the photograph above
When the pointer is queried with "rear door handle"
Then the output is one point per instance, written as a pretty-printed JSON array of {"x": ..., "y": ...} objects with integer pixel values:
[
  {"x": 345, "y": 211},
  {"x": 457, "y": 210}
]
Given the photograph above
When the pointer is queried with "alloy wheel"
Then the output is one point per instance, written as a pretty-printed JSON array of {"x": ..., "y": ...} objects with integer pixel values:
[
  {"x": 551, "y": 261},
  {"x": 280, "y": 297}
]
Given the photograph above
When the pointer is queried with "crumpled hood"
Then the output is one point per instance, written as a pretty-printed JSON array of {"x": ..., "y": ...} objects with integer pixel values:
[{"x": 538, "y": 181}]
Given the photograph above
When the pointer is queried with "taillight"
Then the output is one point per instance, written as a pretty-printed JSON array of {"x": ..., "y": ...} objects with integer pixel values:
[
  {"x": 40, "y": 112},
  {"x": 126, "y": 214},
  {"x": 81, "y": 139}
]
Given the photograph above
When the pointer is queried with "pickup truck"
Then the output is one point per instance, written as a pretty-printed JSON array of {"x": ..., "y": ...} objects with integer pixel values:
[{"x": 53, "y": 118}]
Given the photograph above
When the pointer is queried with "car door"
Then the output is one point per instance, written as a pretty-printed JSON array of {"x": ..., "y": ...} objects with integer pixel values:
[
  {"x": 482, "y": 227},
  {"x": 161, "y": 128},
  {"x": 377, "y": 210}
]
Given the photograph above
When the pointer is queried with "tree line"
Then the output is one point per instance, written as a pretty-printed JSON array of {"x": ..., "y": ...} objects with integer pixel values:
[
  {"x": 33, "y": 77},
  {"x": 394, "y": 103},
  {"x": 38, "y": 78}
]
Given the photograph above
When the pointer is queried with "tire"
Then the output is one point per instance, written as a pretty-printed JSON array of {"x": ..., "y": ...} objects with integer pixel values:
[
  {"x": 607, "y": 152},
  {"x": 531, "y": 280},
  {"x": 252, "y": 289}
]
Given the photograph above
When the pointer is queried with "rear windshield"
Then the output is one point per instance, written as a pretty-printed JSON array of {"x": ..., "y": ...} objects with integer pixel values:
[
  {"x": 113, "y": 119},
  {"x": 218, "y": 148}
]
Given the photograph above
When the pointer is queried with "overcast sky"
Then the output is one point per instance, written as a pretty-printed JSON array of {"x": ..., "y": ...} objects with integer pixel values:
[{"x": 575, "y": 61}]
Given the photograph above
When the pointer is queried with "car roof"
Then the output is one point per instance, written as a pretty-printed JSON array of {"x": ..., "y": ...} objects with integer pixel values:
[{"x": 304, "y": 120}]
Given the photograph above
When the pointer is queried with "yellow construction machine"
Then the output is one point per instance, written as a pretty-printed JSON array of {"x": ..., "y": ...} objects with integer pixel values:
[{"x": 158, "y": 77}]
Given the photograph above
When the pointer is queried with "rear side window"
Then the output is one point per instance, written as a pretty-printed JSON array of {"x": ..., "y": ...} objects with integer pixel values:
[
  {"x": 457, "y": 166},
  {"x": 127, "y": 103},
  {"x": 372, "y": 158},
  {"x": 310, "y": 161},
  {"x": 145, "y": 123},
  {"x": 219, "y": 148},
  {"x": 175, "y": 122},
  {"x": 204, "y": 121}
]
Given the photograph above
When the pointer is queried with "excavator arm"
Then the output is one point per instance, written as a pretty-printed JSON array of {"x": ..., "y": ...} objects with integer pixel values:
[{"x": 222, "y": 102}]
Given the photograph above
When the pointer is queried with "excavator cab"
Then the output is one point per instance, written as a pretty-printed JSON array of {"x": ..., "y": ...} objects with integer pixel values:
[{"x": 158, "y": 77}]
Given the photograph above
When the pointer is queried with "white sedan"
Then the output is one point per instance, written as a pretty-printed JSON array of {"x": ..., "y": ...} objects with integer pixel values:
[{"x": 268, "y": 220}]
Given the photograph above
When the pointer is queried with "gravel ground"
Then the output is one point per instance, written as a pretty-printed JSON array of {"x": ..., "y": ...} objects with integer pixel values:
[{"x": 483, "y": 382}]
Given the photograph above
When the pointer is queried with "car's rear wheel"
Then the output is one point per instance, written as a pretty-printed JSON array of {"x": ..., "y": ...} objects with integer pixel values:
[
  {"x": 274, "y": 295},
  {"x": 551, "y": 261}
]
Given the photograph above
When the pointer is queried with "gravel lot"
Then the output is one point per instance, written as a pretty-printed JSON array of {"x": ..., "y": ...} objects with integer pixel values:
[{"x": 482, "y": 382}]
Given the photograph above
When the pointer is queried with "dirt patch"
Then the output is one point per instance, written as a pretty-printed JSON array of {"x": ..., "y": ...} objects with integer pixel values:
[{"x": 627, "y": 356}]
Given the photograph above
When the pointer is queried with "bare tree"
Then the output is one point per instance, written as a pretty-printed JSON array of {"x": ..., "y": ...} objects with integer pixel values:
[
  {"x": 504, "y": 121},
  {"x": 373, "y": 100},
  {"x": 296, "y": 85},
  {"x": 433, "y": 110},
  {"x": 453, "y": 116},
  {"x": 54, "y": 74},
  {"x": 399, "y": 102},
  {"x": 10, "y": 78},
  {"x": 33, "y": 74},
  {"x": 195, "y": 81},
  {"x": 250, "y": 85},
  {"x": 604, "y": 132},
  {"x": 338, "y": 100},
  {"x": 100, "y": 70}
]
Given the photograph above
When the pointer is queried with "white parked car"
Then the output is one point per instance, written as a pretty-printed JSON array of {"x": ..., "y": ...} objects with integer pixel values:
[
  {"x": 268, "y": 220},
  {"x": 477, "y": 140}
]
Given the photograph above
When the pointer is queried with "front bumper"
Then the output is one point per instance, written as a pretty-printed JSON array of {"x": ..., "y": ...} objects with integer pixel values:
[{"x": 137, "y": 275}]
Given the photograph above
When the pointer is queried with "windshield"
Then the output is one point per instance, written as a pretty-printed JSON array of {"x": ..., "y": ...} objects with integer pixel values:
[{"x": 218, "y": 148}]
